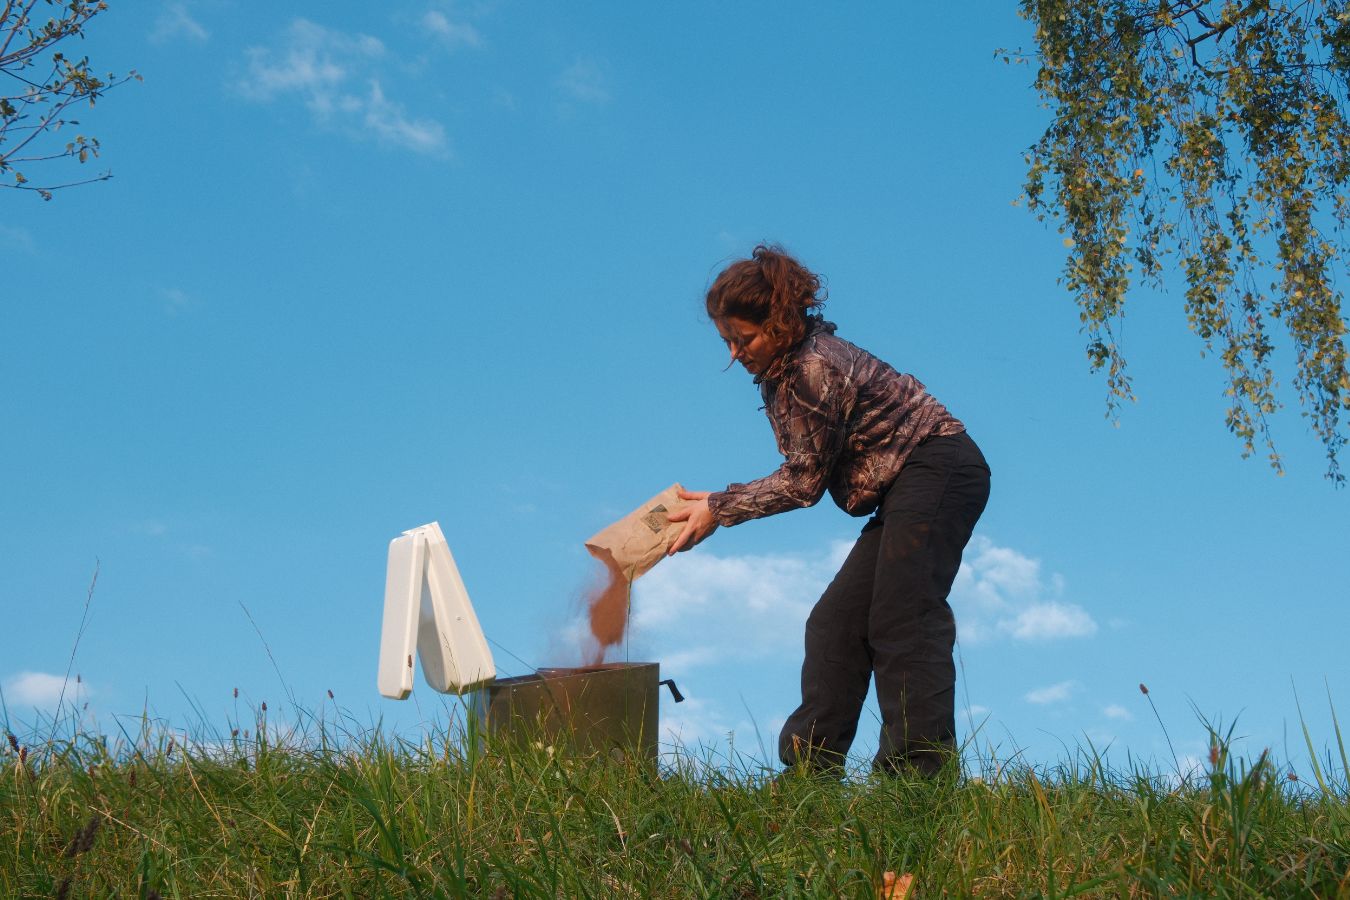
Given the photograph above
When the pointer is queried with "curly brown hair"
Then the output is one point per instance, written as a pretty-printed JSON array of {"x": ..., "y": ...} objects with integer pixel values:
[{"x": 772, "y": 290}]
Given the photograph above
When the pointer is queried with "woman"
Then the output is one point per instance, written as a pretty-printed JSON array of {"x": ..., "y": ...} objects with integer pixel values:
[{"x": 848, "y": 423}]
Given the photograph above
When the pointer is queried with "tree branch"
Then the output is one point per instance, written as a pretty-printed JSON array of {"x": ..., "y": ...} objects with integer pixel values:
[
  {"x": 73, "y": 151},
  {"x": 46, "y": 191},
  {"x": 37, "y": 129},
  {"x": 20, "y": 22}
]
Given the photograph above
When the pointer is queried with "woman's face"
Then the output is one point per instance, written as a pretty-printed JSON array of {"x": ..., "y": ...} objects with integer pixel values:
[{"x": 748, "y": 343}]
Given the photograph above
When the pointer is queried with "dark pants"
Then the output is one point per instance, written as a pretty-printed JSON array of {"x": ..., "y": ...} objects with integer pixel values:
[{"x": 886, "y": 614}]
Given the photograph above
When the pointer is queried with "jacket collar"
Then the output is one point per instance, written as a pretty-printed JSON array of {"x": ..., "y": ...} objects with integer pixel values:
[{"x": 783, "y": 361}]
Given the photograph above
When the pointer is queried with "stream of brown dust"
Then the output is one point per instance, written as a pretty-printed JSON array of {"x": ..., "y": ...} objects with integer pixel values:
[{"x": 607, "y": 607}]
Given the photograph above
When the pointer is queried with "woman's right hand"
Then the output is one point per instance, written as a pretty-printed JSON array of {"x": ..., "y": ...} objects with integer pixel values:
[{"x": 697, "y": 518}]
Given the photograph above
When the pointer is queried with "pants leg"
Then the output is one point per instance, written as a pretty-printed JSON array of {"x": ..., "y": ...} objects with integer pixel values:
[
  {"x": 837, "y": 666},
  {"x": 927, "y": 518}
]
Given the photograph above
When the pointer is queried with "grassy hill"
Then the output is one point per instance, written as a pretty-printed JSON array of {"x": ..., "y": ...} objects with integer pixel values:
[{"x": 319, "y": 815}]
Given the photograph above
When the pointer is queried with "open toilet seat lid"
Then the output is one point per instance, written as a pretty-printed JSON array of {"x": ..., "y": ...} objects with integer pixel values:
[{"x": 428, "y": 615}]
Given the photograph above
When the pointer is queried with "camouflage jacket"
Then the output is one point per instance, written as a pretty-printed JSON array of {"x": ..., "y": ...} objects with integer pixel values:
[{"x": 844, "y": 420}]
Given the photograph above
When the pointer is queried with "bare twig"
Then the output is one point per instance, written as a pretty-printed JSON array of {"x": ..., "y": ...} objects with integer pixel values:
[
  {"x": 284, "y": 686},
  {"x": 70, "y": 665}
]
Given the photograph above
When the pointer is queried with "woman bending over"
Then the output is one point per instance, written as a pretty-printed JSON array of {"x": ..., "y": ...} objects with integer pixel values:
[{"x": 883, "y": 447}]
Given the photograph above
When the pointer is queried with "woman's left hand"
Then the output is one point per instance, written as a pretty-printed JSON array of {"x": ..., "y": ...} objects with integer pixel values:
[{"x": 697, "y": 518}]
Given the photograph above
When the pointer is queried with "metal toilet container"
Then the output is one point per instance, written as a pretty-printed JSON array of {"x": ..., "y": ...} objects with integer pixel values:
[{"x": 611, "y": 709}]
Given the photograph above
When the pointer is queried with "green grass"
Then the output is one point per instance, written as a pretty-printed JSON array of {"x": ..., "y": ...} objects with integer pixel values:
[{"x": 328, "y": 814}]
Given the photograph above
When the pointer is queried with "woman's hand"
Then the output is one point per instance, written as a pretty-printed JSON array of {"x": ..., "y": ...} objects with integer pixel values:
[{"x": 697, "y": 518}]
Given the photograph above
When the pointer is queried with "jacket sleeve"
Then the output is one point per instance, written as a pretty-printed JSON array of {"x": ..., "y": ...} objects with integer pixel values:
[{"x": 809, "y": 419}]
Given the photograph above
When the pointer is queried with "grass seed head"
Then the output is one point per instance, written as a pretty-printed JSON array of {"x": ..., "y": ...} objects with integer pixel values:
[{"x": 83, "y": 841}]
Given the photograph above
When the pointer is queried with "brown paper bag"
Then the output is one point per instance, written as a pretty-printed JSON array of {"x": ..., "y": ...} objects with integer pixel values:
[{"x": 637, "y": 542}]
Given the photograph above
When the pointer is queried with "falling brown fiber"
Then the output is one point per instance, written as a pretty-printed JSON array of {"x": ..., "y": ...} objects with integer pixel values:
[{"x": 607, "y": 607}]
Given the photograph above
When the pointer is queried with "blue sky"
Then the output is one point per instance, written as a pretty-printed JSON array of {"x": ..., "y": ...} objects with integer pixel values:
[{"x": 362, "y": 268}]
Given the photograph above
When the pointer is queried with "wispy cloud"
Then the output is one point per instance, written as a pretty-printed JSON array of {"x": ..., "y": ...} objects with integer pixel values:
[
  {"x": 151, "y": 528},
  {"x": 694, "y": 722},
  {"x": 1187, "y": 767},
  {"x": 1116, "y": 711},
  {"x": 700, "y": 608},
  {"x": 731, "y": 242},
  {"x": 388, "y": 122},
  {"x": 1000, "y": 592},
  {"x": 1055, "y": 693},
  {"x": 174, "y": 21},
  {"x": 448, "y": 32},
  {"x": 177, "y": 301},
  {"x": 584, "y": 81},
  {"x": 1050, "y": 619},
  {"x": 17, "y": 239},
  {"x": 312, "y": 60},
  {"x": 336, "y": 75},
  {"x": 701, "y": 730},
  {"x": 41, "y": 690}
]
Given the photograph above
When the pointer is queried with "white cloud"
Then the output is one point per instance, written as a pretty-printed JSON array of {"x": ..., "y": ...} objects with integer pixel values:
[
  {"x": 999, "y": 592},
  {"x": 700, "y": 609},
  {"x": 684, "y": 660},
  {"x": 699, "y": 731},
  {"x": 452, "y": 34},
  {"x": 313, "y": 61},
  {"x": 151, "y": 528},
  {"x": 175, "y": 21},
  {"x": 1055, "y": 693},
  {"x": 1044, "y": 621},
  {"x": 730, "y": 242},
  {"x": 1189, "y": 767},
  {"x": 571, "y": 643},
  {"x": 1116, "y": 711},
  {"x": 41, "y": 690},
  {"x": 321, "y": 67},
  {"x": 585, "y": 81},
  {"x": 687, "y": 725},
  {"x": 177, "y": 300},
  {"x": 388, "y": 122},
  {"x": 17, "y": 238}
]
